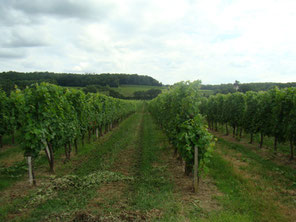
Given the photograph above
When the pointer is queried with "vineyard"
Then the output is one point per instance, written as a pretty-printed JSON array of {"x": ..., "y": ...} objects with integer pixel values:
[
  {"x": 49, "y": 117},
  {"x": 70, "y": 156},
  {"x": 271, "y": 113}
]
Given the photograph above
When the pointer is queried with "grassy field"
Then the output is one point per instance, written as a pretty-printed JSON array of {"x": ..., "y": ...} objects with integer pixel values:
[
  {"x": 131, "y": 174},
  {"x": 128, "y": 90}
]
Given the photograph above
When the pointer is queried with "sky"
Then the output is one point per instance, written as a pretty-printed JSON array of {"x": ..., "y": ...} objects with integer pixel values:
[{"x": 215, "y": 41}]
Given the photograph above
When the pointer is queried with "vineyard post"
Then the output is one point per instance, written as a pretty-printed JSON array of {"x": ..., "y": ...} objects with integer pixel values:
[
  {"x": 196, "y": 176},
  {"x": 97, "y": 133},
  {"x": 51, "y": 163},
  {"x": 32, "y": 180}
]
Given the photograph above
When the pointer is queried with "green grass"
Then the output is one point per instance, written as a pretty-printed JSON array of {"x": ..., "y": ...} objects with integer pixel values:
[
  {"x": 9, "y": 152},
  {"x": 128, "y": 90},
  {"x": 152, "y": 188},
  {"x": 248, "y": 198},
  {"x": 269, "y": 171},
  {"x": 241, "y": 200},
  {"x": 8, "y": 176}
]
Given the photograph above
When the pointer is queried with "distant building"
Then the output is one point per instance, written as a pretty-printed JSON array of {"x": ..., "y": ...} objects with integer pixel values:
[{"x": 236, "y": 85}]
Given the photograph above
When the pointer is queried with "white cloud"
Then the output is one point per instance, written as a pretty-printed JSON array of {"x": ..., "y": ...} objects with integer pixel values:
[{"x": 216, "y": 41}]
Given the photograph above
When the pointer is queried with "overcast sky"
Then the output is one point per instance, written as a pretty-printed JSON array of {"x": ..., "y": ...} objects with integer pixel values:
[{"x": 216, "y": 41}]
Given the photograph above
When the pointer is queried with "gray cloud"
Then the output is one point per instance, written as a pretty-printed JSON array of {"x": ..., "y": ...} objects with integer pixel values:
[
  {"x": 10, "y": 17},
  {"x": 19, "y": 40},
  {"x": 65, "y": 9},
  {"x": 9, "y": 54}
]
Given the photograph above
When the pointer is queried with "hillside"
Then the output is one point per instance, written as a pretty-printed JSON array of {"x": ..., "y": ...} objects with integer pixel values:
[{"x": 21, "y": 79}]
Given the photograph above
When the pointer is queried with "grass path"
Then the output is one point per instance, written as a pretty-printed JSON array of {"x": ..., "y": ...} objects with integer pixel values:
[
  {"x": 159, "y": 190},
  {"x": 257, "y": 189}
]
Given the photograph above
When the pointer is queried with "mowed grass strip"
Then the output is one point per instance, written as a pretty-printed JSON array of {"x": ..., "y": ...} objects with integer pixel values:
[
  {"x": 265, "y": 167},
  {"x": 246, "y": 198},
  {"x": 152, "y": 190}
]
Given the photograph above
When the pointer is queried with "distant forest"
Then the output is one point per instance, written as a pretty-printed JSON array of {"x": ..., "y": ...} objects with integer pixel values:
[
  {"x": 91, "y": 82},
  {"x": 244, "y": 87},
  {"x": 9, "y": 79}
]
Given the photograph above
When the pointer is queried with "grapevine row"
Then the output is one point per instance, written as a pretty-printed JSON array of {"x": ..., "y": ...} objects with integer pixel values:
[
  {"x": 49, "y": 117},
  {"x": 177, "y": 112},
  {"x": 271, "y": 113}
]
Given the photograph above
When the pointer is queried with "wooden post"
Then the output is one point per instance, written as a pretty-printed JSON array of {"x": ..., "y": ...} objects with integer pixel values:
[
  {"x": 195, "y": 170},
  {"x": 30, "y": 168},
  {"x": 97, "y": 133},
  {"x": 51, "y": 158}
]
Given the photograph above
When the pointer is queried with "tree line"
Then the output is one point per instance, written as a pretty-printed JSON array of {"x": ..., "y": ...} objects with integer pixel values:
[
  {"x": 49, "y": 117},
  {"x": 21, "y": 79},
  {"x": 245, "y": 87},
  {"x": 271, "y": 113}
]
